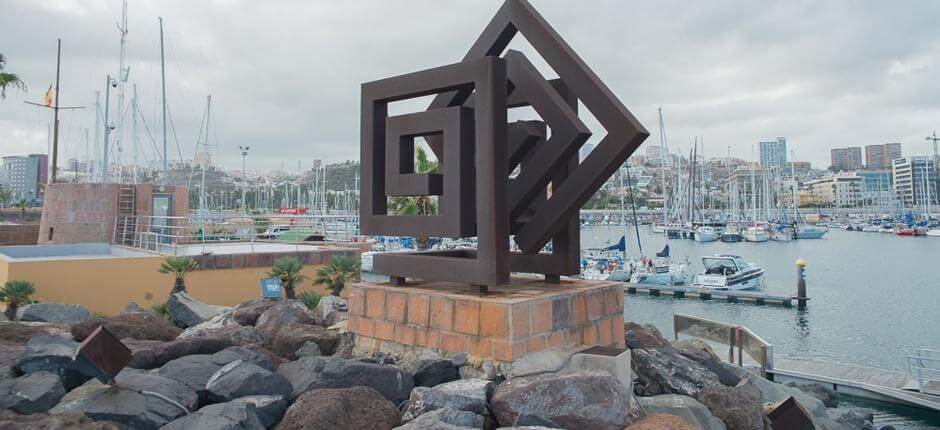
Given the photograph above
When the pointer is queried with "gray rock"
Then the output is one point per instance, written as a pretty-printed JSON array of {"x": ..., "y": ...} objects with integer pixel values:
[
  {"x": 247, "y": 313},
  {"x": 293, "y": 336},
  {"x": 220, "y": 321},
  {"x": 32, "y": 393},
  {"x": 464, "y": 395},
  {"x": 700, "y": 352},
  {"x": 434, "y": 371},
  {"x": 738, "y": 409},
  {"x": 459, "y": 359},
  {"x": 269, "y": 409},
  {"x": 685, "y": 407},
  {"x": 486, "y": 370},
  {"x": 310, "y": 349},
  {"x": 53, "y": 313},
  {"x": 240, "y": 379},
  {"x": 10, "y": 420},
  {"x": 222, "y": 416},
  {"x": 853, "y": 418},
  {"x": 132, "y": 308},
  {"x": 185, "y": 311},
  {"x": 445, "y": 419},
  {"x": 52, "y": 354},
  {"x": 138, "y": 401},
  {"x": 666, "y": 371},
  {"x": 589, "y": 399},
  {"x": 333, "y": 372},
  {"x": 772, "y": 392},
  {"x": 331, "y": 310},
  {"x": 827, "y": 395},
  {"x": 340, "y": 408},
  {"x": 149, "y": 355},
  {"x": 194, "y": 371},
  {"x": 280, "y": 315}
]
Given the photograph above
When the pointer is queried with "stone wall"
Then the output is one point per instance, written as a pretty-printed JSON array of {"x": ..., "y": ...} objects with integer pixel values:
[
  {"x": 509, "y": 323},
  {"x": 19, "y": 234}
]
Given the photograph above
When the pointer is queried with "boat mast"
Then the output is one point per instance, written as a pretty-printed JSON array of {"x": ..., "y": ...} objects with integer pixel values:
[
  {"x": 663, "y": 157},
  {"x": 205, "y": 159},
  {"x": 55, "y": 110},
  {"x": 134, "y": 112},
  {"x": 163, "y": 91},
  {"x": 123, "y": 74}
]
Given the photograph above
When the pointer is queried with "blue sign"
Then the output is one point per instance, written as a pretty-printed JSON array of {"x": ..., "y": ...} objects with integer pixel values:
[{"x": 270, "y": 288}]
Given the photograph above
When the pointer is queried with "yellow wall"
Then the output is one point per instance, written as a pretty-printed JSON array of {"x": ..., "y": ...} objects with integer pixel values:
[{"x": 106, "y": 285}]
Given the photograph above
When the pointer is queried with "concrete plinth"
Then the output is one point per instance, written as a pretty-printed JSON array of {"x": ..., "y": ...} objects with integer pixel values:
[{"x": 514, "y": 320}]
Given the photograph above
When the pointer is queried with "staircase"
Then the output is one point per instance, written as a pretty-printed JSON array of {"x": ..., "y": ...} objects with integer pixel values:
[{"x": 125, "y": 228}]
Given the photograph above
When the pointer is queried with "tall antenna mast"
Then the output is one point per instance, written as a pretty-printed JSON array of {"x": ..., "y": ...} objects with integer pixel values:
[{"x": 163, "y": 90}]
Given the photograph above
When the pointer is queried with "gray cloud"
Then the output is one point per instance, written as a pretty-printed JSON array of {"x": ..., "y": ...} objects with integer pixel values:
[{"x": 285, "y": 75}]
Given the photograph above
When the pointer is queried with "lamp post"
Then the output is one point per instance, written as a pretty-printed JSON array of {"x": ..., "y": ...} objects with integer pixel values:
[{"x": 244, "y": 150}]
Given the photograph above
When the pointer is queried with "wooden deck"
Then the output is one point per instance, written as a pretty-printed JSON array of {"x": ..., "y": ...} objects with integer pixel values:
[
  {"x": 879, "y": 384},
  {"x": 748, "y": 297}
]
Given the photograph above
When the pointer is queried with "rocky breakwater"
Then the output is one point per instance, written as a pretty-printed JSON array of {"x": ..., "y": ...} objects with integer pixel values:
[{"x": 277, "y": 364}]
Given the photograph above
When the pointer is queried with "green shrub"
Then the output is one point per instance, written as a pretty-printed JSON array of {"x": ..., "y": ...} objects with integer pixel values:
[
  {"x": 160, "y": 309},
  {"x": 310, "y": 299},
  {"x": 15, "y": 294}
]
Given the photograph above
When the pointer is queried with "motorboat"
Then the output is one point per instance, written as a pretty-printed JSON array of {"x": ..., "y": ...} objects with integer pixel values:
[
  {"x": 756, "y": 233},
  {"x": 706, "y": 234},
  {"x": 728, "y": 272},
  {"x": 731, "y": 234},
  {"x": 874, "y": 228},
  {"x": 934, "y": 232},
  {"x": 781, "y": 234},
  {"x": 904, "y": 231},
  {"x": 809, "y": 232}
]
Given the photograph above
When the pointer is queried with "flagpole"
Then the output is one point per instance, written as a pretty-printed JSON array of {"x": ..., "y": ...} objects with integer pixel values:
[{"x": 55, "y": 133}]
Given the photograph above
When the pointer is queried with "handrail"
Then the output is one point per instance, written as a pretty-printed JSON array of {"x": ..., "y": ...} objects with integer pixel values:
[
  {"x": 746, "y": 341},
  {"x": 921, "y": 367}
]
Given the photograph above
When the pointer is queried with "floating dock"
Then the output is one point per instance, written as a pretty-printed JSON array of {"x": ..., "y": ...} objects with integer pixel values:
[
  {"x": 860, "y": 381},
  {"x": 748, "y": 297}
]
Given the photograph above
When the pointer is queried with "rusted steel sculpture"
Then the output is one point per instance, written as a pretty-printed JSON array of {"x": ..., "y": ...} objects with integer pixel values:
[{"x": 478, "y": 152}]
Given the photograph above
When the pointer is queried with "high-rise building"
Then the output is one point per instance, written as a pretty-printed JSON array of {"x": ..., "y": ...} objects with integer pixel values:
[
  {"x": 774, "y": 153},
  {"x": 879, "y": 157},
  {"x": 914, "y": 179},
  {"x": 654, "y": 152},
  {"x": 22, "y": 174},
  {"x": 846, "y": 159}
]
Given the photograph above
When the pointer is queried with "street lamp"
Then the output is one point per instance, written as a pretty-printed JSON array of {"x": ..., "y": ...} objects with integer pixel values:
[{"x": 244, "y": 150}]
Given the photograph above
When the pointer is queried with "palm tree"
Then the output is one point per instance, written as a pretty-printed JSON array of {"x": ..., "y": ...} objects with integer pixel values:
[
  {"x": 416, "y": 205},
  {"x": 15, "y": 294},
  {"x": 340, "y": 270},
  {"x": 6, "y": 196},
  {"x": 287, "y": 269},
  {"x": 8, "y": 80},
  {"x": 178, "y": 267},
  {"x": 22, "y": 204}
]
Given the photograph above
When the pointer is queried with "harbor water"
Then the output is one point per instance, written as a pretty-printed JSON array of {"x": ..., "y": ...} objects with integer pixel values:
[{"x": 875, "y": 298}]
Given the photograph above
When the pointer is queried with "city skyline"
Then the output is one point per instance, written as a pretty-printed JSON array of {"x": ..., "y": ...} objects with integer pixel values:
[{"x": 291, "y": 89}]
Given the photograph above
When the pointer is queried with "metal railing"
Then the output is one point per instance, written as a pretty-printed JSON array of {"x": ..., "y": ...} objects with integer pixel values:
[
  {"x": 924, "y": 366},
  {"x": 735, "y": 336},
  {"x": 165, "y": 234}
]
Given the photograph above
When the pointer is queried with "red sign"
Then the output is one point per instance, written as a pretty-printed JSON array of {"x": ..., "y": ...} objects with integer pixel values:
[{"x": 292, "y": 211}]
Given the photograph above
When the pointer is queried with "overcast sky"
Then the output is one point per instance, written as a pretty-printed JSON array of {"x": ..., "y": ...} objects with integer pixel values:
[{"x": 284, "y": 75}]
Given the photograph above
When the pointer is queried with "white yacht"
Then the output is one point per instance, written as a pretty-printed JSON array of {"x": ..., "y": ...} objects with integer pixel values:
[
  {"x": 728, "y": 272},
  {"x": 706, "y": 234},
  {"x": 662, "y": 273},
  {"x": 755, "y": 233}
]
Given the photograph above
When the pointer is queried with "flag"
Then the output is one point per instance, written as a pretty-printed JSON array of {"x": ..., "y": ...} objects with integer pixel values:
[
  {"x": 48, "y": 97},
  {"x": 664, "y": 252}
]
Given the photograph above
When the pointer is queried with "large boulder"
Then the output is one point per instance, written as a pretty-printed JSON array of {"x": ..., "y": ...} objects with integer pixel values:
[
  {"x": 853, "y": 418},
  {"x": 220, "y": 321},
  {"x": 429, "y": 372},
  {"x": 222, "y": 416},
  {"x": 292, "y": 337},
  {"x": 446, "y": 419},
  {"x": 824, "y": 394},
  {"x": 60, "y": 313},
  {"x": 588, "y": 399},
  {"x": 247, "y": 313},
  {"x": 280, "y": 315},
  {"x": 772, "y": 392},
  {"x": 340, "y": 408},
  {"x": 310, "y": 349},
  {"x": 332, "y": 372},
  {"x": 32, "y": 393},
  {"x": 269, "y": 409},
  {"x": 464, "y": 395},
  {"x": 240, "y": 379},
  {"x": 662, "y": 422},
  {"x": 687, "y": 408},
  {"x": 134, "y": 325},
  {"x": 10, "y": 420},
  {"x": 155, "y": 354},
  {"x": 699, "y": 351},
  {"x": 18, "y": 333},
  {"x": 643, "y": 336},
  {"x": 331, "y": 310},
  {"x": 185, "y": 311},
  {"x": 195, "y": 371},
  {"x": 138, "y": 401},
  {"x": 737, "y": 408},
  {"x": 666, "y": 371},
  {"x": 52, "y": 354}
]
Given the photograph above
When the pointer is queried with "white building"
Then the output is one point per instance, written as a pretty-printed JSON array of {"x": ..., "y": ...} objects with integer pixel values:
[
  {"x": 842, "y": 189},
  {"x": 22, "y": 174},
  {"x": 914, "y": 179}
]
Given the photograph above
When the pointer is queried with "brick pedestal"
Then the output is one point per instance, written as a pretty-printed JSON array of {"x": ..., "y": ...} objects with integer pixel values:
[{"x": 510, "y": 322}]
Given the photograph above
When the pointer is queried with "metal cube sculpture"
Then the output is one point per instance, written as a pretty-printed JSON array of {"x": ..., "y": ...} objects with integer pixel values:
[{"x": 465, "y": 126}]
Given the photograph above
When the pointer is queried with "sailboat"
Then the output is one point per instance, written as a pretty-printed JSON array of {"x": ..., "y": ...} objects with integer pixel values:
[{"x": 659, "y": 271}]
